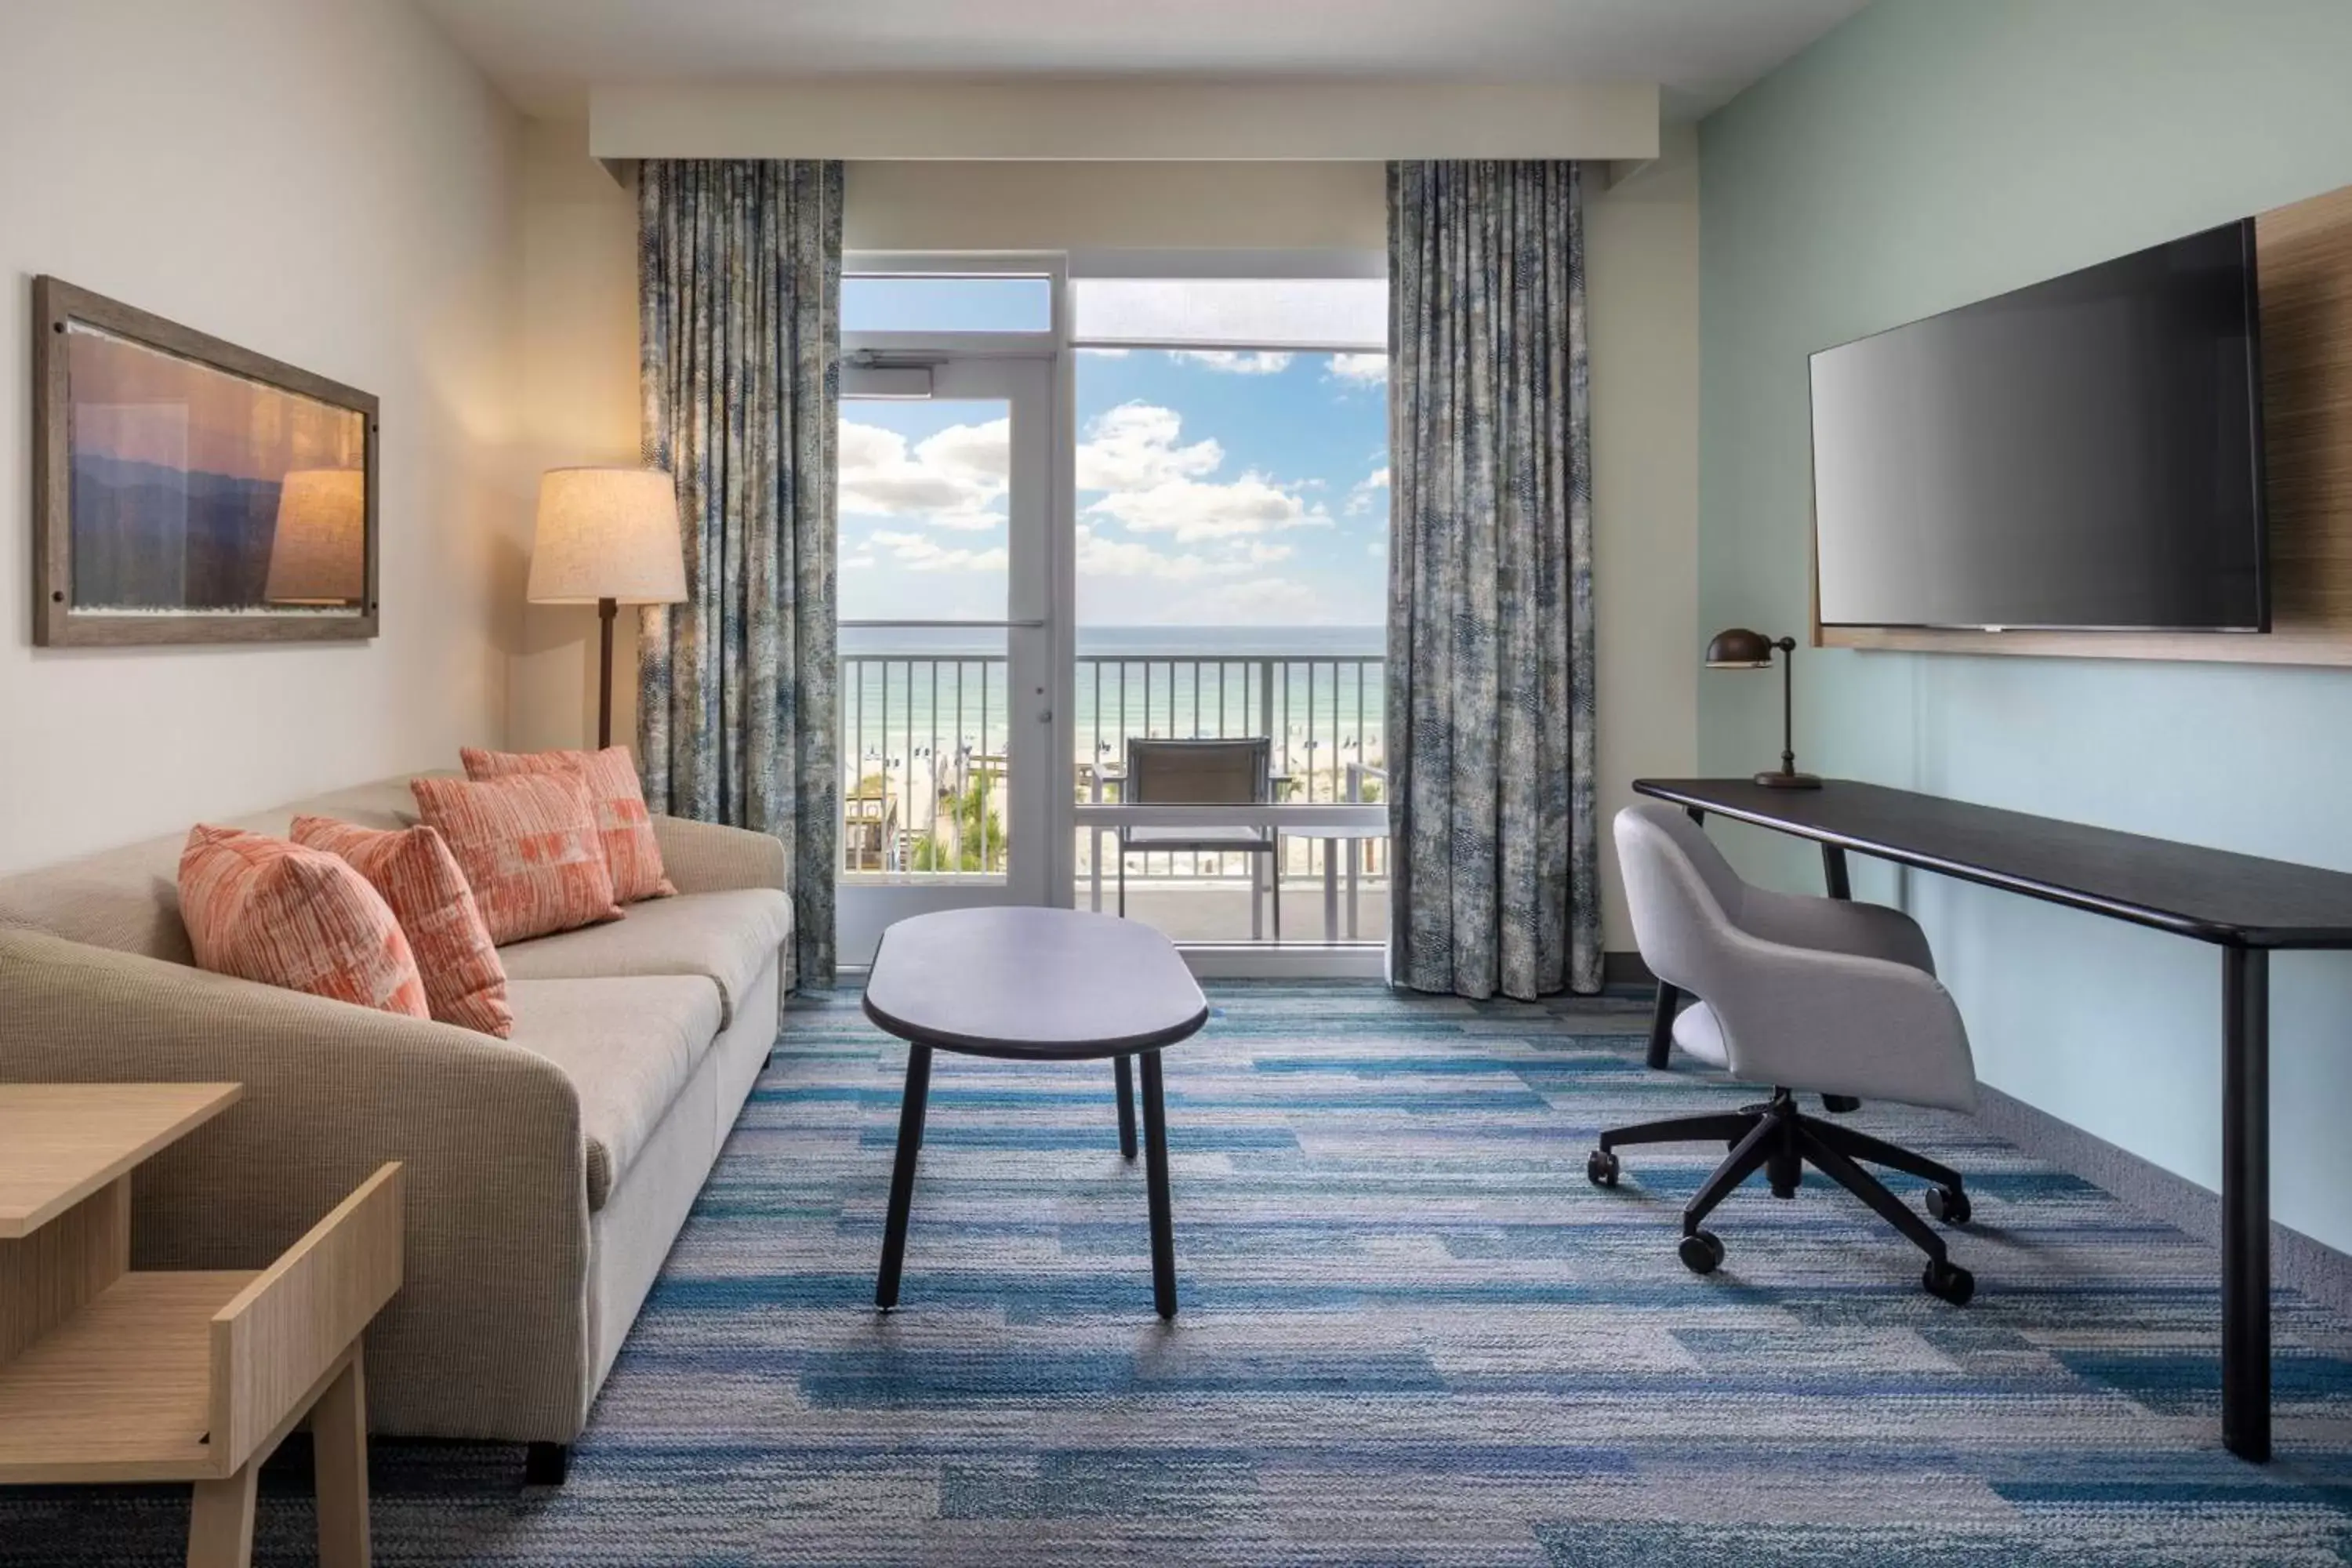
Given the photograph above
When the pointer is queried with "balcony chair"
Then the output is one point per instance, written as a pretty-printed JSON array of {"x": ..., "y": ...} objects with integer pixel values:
[
  {"x": 1826, "y": 995},
  {"x": 1202, "y": 773}
]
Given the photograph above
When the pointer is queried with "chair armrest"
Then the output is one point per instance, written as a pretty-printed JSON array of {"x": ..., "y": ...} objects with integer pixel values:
[
  {"x": 488, "y": 1336},
  {"x": 1841, "y": 1022},
  {"x": 712, "y": 857},
  {"x": 1836, "y": 925}
]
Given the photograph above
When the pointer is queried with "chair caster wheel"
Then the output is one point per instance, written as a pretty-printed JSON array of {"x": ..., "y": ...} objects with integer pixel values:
[
  {"x": 1949, "y": 1204},
  {"x": 1600, "y": 1168},
  {"x": 1702, "y": 1252},
  {"x": 1949, "y": 1282}
]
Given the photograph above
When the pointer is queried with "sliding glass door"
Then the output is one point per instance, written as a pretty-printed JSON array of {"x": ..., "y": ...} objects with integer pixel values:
[
  {"x": 1076, "y": 518},
  {"x": 945, "y": 677}
]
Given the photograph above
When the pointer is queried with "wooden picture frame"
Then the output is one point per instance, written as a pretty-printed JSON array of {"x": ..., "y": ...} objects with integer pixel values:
[{"x": 201, "y": 549}]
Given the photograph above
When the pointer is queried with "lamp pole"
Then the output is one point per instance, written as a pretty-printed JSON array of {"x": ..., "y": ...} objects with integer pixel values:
[
  {"x": 1788, "y": 646},
  {"x": 605, "y": 610}
]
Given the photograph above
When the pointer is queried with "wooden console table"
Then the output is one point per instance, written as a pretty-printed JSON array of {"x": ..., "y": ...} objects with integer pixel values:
[{"x": 110, "y": 1375}]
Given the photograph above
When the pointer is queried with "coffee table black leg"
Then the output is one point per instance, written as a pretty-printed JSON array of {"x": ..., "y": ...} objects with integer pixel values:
[
  {"x": 902, "y": 1173},
  {"x": 1155, "y": 1166},
  {"x": 1126, "y": 1107}
]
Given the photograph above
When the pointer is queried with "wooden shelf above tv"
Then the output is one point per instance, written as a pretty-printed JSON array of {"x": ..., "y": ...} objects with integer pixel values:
[{"x": 2303, "y": 254}]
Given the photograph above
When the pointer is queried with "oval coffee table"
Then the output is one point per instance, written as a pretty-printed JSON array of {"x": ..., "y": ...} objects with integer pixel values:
[{"x": 1034, "y": 984}]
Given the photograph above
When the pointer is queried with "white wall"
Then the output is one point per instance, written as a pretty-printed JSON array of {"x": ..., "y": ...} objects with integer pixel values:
[
  {"x": 1641, "y": 282},
  {"x": 926, "y": 118},
  {"x": 579, "y": 405},
  {"x": 329, "y": 183},
  {"x": 1641, "y": 269},
  {"x": 1114, "y": 206}
]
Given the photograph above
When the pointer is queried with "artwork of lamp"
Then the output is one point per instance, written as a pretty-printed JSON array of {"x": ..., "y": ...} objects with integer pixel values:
[
  {"x": 606, "y": 537},
  {"x": 1740, "y": 649},
  {"x": 318, "y": 553}
]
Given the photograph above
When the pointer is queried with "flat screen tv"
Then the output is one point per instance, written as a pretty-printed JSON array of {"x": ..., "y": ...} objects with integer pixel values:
[{"x": 2084, "y": 453}]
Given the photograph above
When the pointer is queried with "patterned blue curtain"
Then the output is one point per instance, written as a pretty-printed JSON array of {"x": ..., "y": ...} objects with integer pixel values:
[
  {"x": 739, "y": 315},
  {"x": 1490, "y": 702}
]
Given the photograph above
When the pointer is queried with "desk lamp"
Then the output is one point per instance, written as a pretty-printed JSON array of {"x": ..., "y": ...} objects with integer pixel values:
[{"x": 1740, "y": 649}]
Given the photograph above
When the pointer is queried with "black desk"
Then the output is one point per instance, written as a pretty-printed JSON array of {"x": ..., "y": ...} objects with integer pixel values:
[{"x": 2241, "y": 904}]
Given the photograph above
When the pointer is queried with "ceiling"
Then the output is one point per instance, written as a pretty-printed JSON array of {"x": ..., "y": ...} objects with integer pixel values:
[{"x": 546, "y": 53}]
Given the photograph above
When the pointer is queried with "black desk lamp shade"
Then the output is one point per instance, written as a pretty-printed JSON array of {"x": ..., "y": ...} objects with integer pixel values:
[{"x": 1740, "y": 649}]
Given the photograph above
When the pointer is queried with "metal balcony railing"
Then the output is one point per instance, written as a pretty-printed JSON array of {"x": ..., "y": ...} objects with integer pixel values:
[{"x": 924, "y": 742}]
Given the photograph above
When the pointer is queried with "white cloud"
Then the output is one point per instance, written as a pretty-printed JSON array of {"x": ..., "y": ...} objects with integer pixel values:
[
  {"x": 1378, "y": 548},
  {"x": 1100, "y": 557},
  {"x": 1193, "y": 511},
  {"x": 1362, "y": 370},
  {"x": 921, "y": 553},
  {"x": 1359, "y": 498},
  {"x": 1136, "y": 446},
  {"x": 951, "y": 479},
  {"x": 1266, "y": 362},
  {"x": 1151, "y": 482}
]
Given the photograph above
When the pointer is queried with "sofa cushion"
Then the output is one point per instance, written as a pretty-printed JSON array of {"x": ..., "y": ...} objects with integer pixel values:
[
  {"x": 629, "y": 1045},
  {"x": 264, "y": 909},
  {"x": 465, "y": 983},
  {"x": 529, "y": 847},
  {"x": 129, "y": 898},
  {"x": 631, "y": 853},
  {"x": 728, "y": 936}
]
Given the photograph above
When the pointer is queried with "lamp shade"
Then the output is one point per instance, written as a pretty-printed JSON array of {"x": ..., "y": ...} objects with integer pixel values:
[
  {"x": 607, "y": 533},
  {"x": 318, "y": 554},
  {"x": 1739, "y": 648}
]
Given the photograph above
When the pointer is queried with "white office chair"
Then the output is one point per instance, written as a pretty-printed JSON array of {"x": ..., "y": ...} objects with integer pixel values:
[{"x": 1826, "y": 995}]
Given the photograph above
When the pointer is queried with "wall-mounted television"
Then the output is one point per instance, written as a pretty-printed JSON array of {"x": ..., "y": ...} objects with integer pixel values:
[{"x": 2084, "y": 453}]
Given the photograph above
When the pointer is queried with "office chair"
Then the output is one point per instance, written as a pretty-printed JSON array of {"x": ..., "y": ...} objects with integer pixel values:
[
  {"x": 1825, "y": 995},
  {"x": 1202, "y": 773}
]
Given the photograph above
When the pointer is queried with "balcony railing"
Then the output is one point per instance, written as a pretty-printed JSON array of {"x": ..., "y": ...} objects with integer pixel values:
[{"x": 924, "y": 740}]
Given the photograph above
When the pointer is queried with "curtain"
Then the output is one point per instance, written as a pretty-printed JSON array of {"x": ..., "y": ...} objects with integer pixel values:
[
  {"x": 1490, "y": 701},
  {"x": 740, "y": 313}
]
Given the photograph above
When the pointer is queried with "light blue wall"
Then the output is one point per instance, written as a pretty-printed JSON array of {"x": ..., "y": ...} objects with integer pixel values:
[{"x": 1933, "y": 151}]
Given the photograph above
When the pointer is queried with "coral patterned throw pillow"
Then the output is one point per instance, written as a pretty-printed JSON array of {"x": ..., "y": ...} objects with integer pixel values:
[
  {"x": 465, "y": 983},
  {"x": 262, "y": 909},
  {"x": 631, "y": 851},
  {"x": 530, "y": 847}
]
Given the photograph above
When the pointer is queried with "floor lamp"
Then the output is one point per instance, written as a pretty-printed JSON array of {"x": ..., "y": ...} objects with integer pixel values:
[{"x": 606, "y": 537}]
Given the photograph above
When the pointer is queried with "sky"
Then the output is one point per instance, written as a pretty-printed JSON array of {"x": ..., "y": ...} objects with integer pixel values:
[{"x": 1215, "y": 488}]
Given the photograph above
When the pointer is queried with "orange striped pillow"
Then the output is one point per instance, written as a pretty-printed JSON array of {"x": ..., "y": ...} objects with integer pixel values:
[
  {"x": 631, "y": 851},
  {"x": 529, "y": 847},
  {"x": 465, "y": 983},
  {"x": 262, "y": 909}
]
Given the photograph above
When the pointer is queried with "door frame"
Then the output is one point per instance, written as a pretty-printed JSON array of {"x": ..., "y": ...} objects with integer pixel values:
[
  {"x": 1027, "y": 372},
  {"x": 1058, "y": 638}
]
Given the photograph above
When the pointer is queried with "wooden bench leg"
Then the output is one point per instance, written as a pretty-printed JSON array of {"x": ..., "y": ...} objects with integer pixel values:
[
  {"x": 339, "y": 1444},
  {"x": 220, "y": 1523}
]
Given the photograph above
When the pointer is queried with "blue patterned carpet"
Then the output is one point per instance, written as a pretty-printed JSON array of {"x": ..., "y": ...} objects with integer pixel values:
[{"x": 1411, "y": 1333}]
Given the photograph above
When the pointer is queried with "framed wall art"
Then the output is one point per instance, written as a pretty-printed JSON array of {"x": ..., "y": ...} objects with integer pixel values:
[{"x": 188, "y": 490}]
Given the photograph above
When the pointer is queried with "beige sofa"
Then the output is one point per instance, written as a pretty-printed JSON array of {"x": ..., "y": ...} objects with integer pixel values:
[{"x": 547, "y": 1173}]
